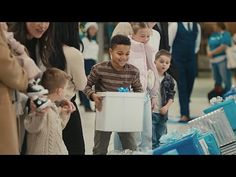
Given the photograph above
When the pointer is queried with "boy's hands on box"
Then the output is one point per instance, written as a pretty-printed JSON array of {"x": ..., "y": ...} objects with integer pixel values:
[{"x": 98, "y": 101}]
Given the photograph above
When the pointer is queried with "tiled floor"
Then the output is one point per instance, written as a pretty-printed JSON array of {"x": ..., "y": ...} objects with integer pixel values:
[{"x": 198, "y": 103}]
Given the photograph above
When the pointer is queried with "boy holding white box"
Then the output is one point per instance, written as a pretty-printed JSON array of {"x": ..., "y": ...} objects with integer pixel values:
[{"x": 109, "y": 76}]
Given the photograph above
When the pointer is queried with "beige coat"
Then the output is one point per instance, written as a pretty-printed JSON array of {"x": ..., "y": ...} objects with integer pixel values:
[
  {"x": 45, "y": 133},
  {"x": 124, "y": 28},
  {"x": 12, "y": 77}
]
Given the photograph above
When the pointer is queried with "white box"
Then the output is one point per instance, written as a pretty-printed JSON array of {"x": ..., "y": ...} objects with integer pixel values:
[{"x": 121, "y": 112}]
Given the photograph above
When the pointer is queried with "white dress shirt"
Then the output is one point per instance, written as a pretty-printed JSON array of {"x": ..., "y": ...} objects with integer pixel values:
[{"x": 173, "y": 30}]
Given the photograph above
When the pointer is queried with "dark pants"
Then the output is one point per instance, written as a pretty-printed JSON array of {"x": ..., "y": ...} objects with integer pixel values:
[
  {"x": 186, "y": 73},
  {"x": 102, "y": 139},
  {"x": 88, "y": 64},
  {"x": 73, "y": 134},
  {"x": 173, "y": 71}
]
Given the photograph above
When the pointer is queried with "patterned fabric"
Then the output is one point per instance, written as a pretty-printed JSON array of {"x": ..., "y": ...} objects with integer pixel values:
[
  {"x": 106, "y": 78},
  {"x": 167, "y": 89}
]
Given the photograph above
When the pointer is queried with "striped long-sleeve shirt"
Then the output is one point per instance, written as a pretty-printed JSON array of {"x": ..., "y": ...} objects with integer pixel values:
[{"x": 106, "y": 78}]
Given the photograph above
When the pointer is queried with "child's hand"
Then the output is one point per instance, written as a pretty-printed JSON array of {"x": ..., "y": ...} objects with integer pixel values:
[
  {"x": 68, "y": 106},
  {"x": 153, "y": 103},
  {"x": 65, "y": 110},
  {"x": 163, "y": 110},
  {"x": 98, "y": 101},
  {"x": 39, "y": 113},
  {"x": 209, "y": 54}
]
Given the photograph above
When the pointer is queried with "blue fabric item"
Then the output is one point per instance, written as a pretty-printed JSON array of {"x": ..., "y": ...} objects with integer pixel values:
[
  {"x": 217, "y": 39},
  {"x": 188, "y": 145}
]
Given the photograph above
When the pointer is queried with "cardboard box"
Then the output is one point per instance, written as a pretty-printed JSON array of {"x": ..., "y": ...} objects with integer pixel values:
[{"x": 121, "y": 112}]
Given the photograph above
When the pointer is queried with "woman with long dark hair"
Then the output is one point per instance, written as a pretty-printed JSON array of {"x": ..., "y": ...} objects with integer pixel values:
[
  {"x": 66, "y": 56},
  {"x": 35, "y": 37},
  {"x": 57, "y": 45}
]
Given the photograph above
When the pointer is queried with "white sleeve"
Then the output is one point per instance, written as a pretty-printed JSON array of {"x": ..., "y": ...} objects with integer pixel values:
[
  {"x": 172, "y": 30},
  {"x": 33, "y": 123},
  {"x": 75, "y": 63},
  {"x": 198, "y": 40}
]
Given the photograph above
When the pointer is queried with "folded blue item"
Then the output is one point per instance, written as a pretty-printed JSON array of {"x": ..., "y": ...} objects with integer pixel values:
[{"x": 187, "y": 145}]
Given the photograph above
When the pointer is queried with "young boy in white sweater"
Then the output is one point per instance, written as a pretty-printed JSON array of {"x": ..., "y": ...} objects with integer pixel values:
[{"x": 45, "y": 127}]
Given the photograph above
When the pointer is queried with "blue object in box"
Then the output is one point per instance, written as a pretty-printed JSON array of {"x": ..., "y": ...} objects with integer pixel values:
[
  {"x": 229, "y": 107},
  {"x": 212, "y": 145},
  {"x": 188, "y": 145}
]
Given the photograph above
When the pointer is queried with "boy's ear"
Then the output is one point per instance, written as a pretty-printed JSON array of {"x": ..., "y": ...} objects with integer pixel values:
[
  {"x": 59, "y": 91},
  {"x": 110, "y": 50}
]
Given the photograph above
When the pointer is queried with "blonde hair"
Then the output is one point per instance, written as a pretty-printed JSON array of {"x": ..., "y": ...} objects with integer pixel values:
[
  {"x": 54, "y": 78},
  {"x": 138, "y": 25}
]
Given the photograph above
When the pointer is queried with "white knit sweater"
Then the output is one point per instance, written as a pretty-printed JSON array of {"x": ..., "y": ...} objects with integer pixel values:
[{"x": 45, "y": 133}]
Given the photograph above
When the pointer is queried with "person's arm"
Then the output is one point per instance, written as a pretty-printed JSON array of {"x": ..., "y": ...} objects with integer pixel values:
[
  {"x": 65, "y": 109},
  {"x": 11, "y": 73},
  {"x": 165, "y": 108},
  {"x": 225, "y": 43},
  {"x": 136, "y": 84},
  {"x": 34, "y": 123},
  {"x": 172, "y": 30},
  {"x": 218, "y": 50},
  {"x": 75, "y": 62},
  {"x": 153, "y": 44},
  {"x": 171, "y": 89},
  {"x": 198, "y": 40},
  {"x": 93, "y": 78},
  {"x": 89, "y": 92},
  {"x": 170, "y": 96}
]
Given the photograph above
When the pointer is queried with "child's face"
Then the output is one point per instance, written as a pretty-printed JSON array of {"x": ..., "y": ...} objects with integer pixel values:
[
  {"x": 162, "y": 64},
  {"x": 119, "y": 55},
  {"x": 92, "y": 31},
  {"x": 142, "y": 35},
  {"x": 36, "y": 29}
]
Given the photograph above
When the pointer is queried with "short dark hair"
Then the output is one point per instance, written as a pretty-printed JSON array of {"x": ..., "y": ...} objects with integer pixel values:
[
  {"x": 162, "y": 52},
  {"x": 54, "y": 78},
  {"x": 119, "y": 40},
  {"x": 221, "y": 25}
]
